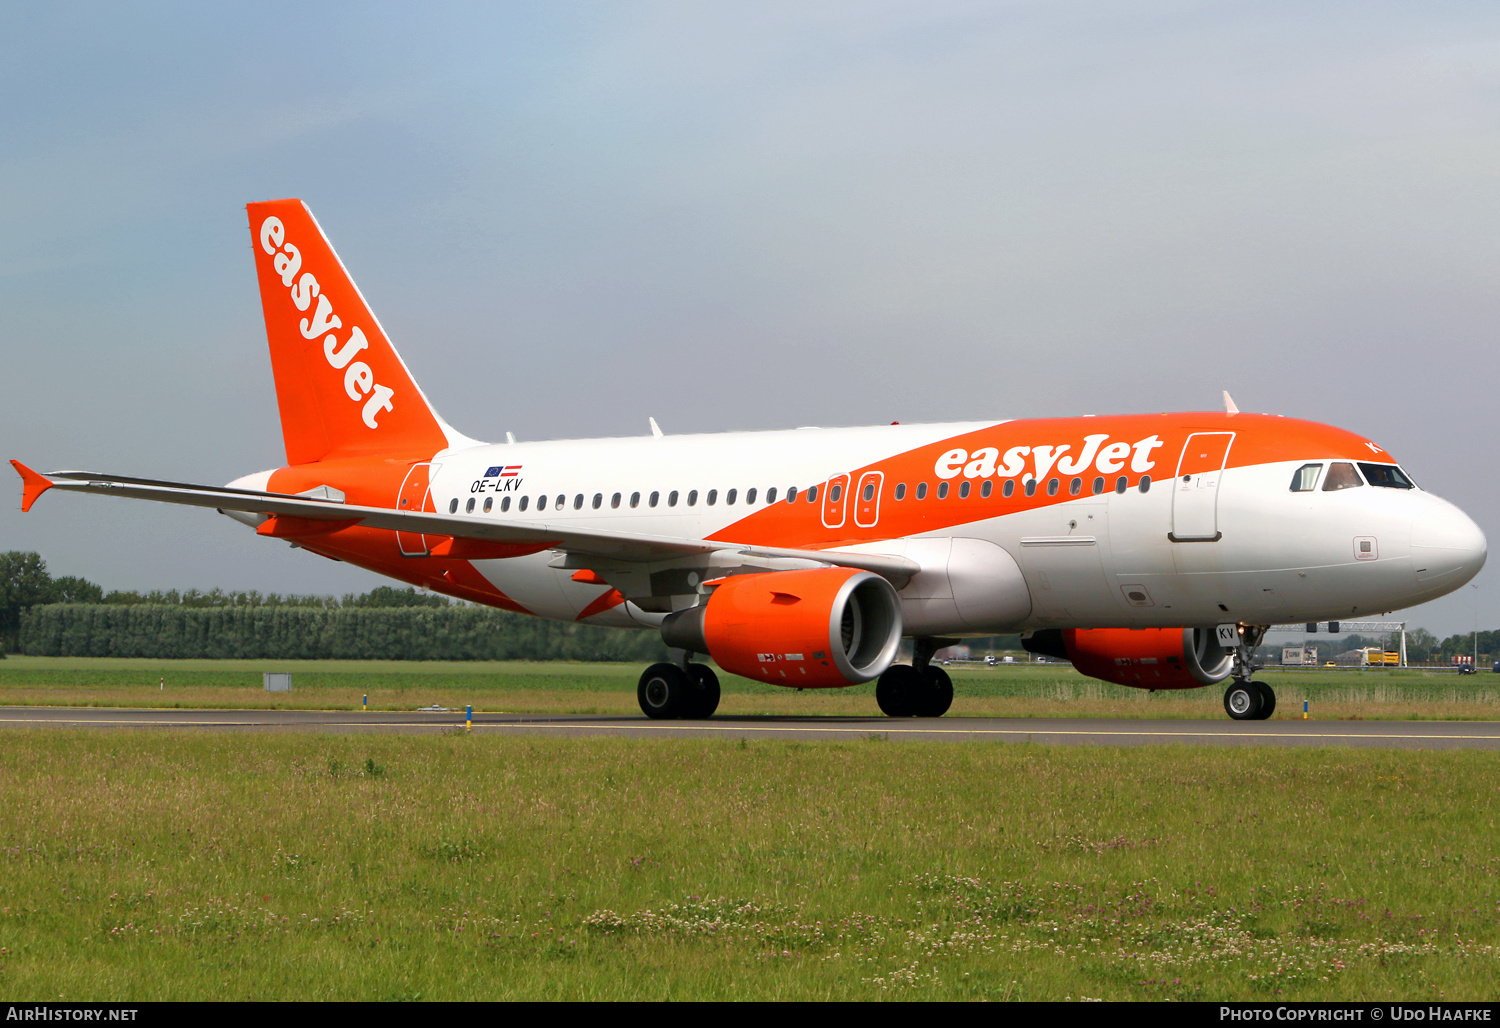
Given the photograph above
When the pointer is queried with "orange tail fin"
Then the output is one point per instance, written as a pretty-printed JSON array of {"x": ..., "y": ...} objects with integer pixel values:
[{"x": 342, "y": 388}]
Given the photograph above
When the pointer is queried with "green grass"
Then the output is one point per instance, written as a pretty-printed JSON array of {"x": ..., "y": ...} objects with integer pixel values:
[
  {"x": 149, "y": 865},
  {"x": 578, "y": 688}
]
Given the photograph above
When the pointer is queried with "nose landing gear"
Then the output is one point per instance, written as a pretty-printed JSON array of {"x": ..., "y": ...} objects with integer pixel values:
[
  {"x": 1246, "y": 700},
  {"x": 1249, "y": 701}
]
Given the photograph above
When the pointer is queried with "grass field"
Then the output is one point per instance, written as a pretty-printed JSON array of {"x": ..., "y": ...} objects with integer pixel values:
[
  {"x": 148, "y": 865},
  {"x": 576, "y": 688}
]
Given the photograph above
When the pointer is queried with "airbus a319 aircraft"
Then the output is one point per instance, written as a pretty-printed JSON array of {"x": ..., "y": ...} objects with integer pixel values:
[{"x": 1150, "y": 550}]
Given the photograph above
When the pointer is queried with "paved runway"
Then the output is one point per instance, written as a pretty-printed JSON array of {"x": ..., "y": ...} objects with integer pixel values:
[{"x": 1443, "y": 735}]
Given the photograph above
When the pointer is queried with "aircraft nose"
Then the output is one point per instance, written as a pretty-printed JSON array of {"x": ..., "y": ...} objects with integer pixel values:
[{"x": 1447, "y": 547}]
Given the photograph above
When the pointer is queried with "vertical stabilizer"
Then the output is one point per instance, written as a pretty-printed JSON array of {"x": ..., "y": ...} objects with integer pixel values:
[{"x": 342, "y": 388}]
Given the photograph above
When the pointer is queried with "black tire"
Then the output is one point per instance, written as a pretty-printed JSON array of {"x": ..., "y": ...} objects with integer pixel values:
[
  {"x": 899, "y": 690},
  {"x": 704, "y": 698},
  {"x": 664, "y": 691},
  {"x": 937, "y": 693},
  {"x": 1243, "y": 701},
  {"x": 1267, "y": 700}
]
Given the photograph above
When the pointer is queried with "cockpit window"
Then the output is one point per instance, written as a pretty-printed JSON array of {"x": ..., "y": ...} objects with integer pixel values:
[
  {"x": 1387, "y": 476},
  {"x": 1341, "y": 476},
  {"x": 1306, "y": 478}
]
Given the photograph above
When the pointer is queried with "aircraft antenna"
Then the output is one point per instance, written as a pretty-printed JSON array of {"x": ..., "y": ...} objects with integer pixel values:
[{"x": 1229, "y": 406}]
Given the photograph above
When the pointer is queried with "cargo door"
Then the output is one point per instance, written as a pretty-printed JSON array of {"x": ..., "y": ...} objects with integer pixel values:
[{"x": 1195, "y": 490}]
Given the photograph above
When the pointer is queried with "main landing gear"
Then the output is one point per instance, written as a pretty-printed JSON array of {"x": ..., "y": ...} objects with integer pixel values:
[
  {"x": 918, "y": 689},
  {"x": 684, "y": 690},
  {"x": 1245, "y": 700}
]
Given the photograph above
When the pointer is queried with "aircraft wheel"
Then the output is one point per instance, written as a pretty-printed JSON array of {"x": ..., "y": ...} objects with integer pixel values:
[
  {"x": 1243, "y": 701},
  {"x": 664, "y": 691},
  {"x": 937, "y": 693},
  {"x": 1267, "y": 700},
  {"x": 703, "y": 700},
  {"x": 898, "y": 690}
]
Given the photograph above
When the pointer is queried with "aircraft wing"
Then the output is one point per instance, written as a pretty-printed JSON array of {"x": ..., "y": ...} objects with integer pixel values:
[{"x": 580, "y": 544}]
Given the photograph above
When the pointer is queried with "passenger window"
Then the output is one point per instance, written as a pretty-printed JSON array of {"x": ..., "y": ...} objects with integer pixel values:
[
  {"x": 942, "y": 490},
  {"x": 834, "y": 492},
  {"x": 921, "y": 490},
  {"x": 750, "y": 495},
  {"x": 1341, "y": 476},
  {"x": 986, "y": 489},
  {"x": 453, "y": 507},
  {"x": 489, "y": 502},
  {"x": 729, "y": 498},
  {"x": 770, "y": 495},
  {"x": 1031, "y": 487},
  {"x": 655, "y": 496},
  {"x": 713, "y": 497},
  {"x": 1386, "y": 476},
  {"x": 791, "y": 495},
  {"x": 1121, "y": 485},
  {"x": 598, "y": 500},
  {"x": 469, "y": 507},
  {"x": 1052, "y": 484},
  {"x": 692, "y": 497},
  {"x": 560, "y": 502},
  {"x": 614, "y": 501},
  {"x": 812, "y": 494},
  {"x": 525, "y": 500},
  {"x": 1145, "y": 485},
  {"x": 963, "y": 491},
  {"x": 1305, "y": 478},
  {"x": 1008, "y": 488},
  {"x": 672, "y": 498},
  {"x": 578, "y": 502},
  {"x": 1098, "y": 486},
  {"x": 1075, "y": 487},
  {"x": 505, "y": 503},
  {"x": 635, "y": 500}
]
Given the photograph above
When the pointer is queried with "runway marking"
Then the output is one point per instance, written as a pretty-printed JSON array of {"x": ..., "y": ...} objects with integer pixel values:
[
  {"x": 874, "y": 728},
  {"x": 990, "y": 731}
]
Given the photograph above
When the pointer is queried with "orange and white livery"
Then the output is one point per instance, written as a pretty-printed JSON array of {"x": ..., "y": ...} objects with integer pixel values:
[{"x": 1152, "y": 550}]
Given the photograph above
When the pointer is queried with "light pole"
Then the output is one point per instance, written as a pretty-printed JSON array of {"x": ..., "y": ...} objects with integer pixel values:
[{"x": 1476, "y": 626}]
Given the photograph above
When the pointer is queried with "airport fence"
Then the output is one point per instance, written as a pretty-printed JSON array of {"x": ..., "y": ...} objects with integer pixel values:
[{"x": 312, "y": 633}]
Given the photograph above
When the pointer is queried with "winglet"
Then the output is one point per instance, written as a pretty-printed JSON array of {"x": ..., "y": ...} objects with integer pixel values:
[{"x": 33, "y": 486}]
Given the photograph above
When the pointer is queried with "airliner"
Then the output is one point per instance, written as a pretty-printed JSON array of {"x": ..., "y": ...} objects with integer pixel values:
[{"x": 1150, "y": 550}]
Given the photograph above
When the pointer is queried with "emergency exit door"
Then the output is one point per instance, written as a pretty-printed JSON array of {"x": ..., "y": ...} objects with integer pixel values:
[
  {"x": 1195, "y": 490},
  {"x": 867, "y": 499}
]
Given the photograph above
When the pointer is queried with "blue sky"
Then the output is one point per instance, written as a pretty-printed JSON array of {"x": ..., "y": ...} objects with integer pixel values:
[{"x": 573, "y": 216}]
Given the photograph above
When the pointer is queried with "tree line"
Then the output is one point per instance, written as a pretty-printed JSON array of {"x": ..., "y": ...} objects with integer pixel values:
[{"x": 73, "y": 617}]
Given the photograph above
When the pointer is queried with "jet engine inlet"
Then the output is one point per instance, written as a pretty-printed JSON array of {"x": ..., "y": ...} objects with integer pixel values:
[
  {"x": 1144, "y": 658},
  {"x": 819, "y": 628}
]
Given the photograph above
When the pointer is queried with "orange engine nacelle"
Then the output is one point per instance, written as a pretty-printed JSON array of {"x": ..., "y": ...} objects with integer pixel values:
[
  {"x": 1143, "y": 658},
  {"x": 814, "y": 629}
]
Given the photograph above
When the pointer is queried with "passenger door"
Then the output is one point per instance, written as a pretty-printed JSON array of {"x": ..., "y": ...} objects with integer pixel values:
[
  {"x": 1195, "y": 489},
  {"x": 415, "y": 495}
]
